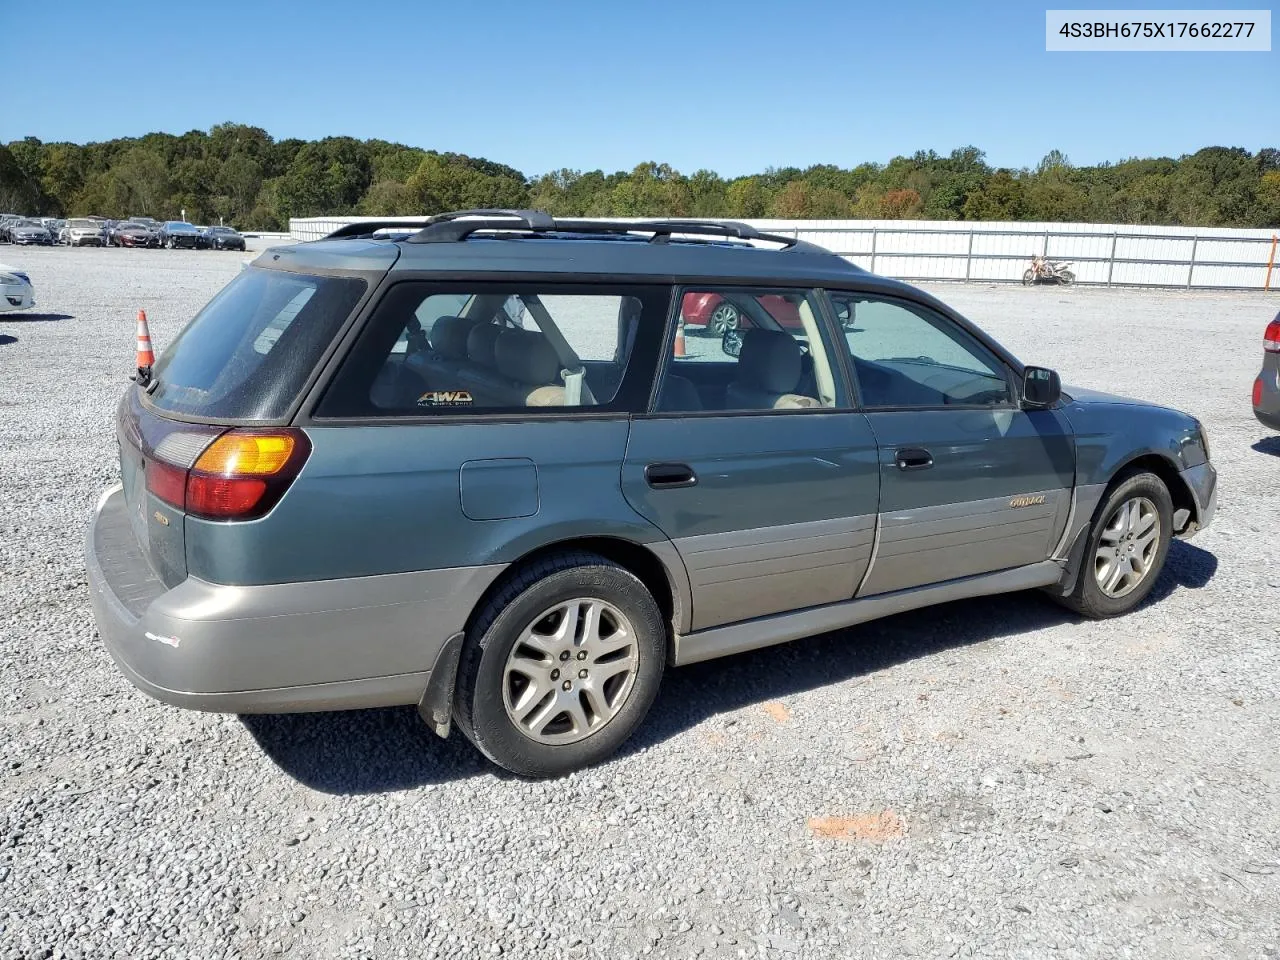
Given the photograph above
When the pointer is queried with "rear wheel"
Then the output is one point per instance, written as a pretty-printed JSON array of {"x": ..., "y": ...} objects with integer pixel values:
[
  {"x": 560, "y": 666},
  {"x": 1126, "y": 550},
  {"x": 1066, "y": 276}
]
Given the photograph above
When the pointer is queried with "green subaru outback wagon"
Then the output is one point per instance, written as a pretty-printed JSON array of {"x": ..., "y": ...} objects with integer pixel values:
[{"x": 478, "y": 466}]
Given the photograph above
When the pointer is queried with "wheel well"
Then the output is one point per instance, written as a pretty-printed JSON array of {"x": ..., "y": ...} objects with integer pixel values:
[
  {"x": 633, "y": 556},
  {"x": 1179, "y": 493}
]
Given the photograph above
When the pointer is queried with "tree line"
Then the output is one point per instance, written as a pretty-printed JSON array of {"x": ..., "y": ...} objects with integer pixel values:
[{"x": 242, "y": 176}]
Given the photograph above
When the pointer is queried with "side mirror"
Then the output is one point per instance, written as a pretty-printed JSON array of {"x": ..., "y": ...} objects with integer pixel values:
[
  {"x": 731, "y": 342},
  {"x": 1041, "y": 387}
]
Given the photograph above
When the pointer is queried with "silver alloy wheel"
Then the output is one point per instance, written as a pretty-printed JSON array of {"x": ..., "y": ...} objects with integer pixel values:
[
  {"x": 570, "y": 671},
  {"x": 1127, "y": 548},
  {"x": 724, "y": 318}
]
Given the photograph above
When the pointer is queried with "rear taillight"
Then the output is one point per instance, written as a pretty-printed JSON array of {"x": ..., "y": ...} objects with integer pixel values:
[
  {"x": 1271, "y": 339},
  {"x": 1257, "y": 392},
  {"x": 240, "y": 476}
]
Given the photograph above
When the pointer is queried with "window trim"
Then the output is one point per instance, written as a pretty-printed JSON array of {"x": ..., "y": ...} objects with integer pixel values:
[
  {"x": 957, "y": 331},
  {"x": 845, "y": 398},
  {"x": 619, "y": 408}
]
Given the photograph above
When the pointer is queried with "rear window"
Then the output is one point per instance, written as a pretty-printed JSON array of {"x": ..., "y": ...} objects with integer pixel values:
[{"x": 246, "y": 356}]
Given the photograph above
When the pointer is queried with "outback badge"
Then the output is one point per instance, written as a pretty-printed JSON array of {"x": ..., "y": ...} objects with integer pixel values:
[{"x": 1027, "y": 500}]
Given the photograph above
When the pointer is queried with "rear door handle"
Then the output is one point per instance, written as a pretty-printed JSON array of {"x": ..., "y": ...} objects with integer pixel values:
[
  {"x": 667, "y": 475},
  {"x": 913, "y": 458}
]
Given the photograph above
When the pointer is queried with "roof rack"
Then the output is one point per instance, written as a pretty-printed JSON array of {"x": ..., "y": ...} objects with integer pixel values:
[
  {"x": 458, "y": 225},
  {"x": 367, "y": 228}
]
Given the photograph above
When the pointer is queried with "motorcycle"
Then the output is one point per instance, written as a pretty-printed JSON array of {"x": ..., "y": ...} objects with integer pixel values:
[{"x": 1044, "y": 270}]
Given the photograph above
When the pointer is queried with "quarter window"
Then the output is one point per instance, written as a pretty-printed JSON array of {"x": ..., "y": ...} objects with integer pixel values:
[
  {"x": 747, "y": 349},
  {"x": 905, "y": 355}
]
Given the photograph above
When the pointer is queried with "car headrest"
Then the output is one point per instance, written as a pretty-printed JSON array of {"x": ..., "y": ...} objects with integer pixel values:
[
  {"x": 678, "y": 394},
  {"x": 769, "y": 361},
  {"x": 449, "y": 337},
  {"x": 480, "y": 343},
  {"x": 526, "y": 356}
]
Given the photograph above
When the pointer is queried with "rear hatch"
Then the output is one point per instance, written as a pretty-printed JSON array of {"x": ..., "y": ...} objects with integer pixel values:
[{"x": 239, "y": 367}]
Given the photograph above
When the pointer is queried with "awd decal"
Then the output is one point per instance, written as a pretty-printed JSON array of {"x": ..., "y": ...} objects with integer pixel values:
[
  {"x": 1027, "y": 500},
  {"x": 445, "y": 398}
]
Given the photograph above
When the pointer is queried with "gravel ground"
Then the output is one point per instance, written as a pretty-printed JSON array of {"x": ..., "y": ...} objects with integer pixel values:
[{"x": 988, "y": 778}]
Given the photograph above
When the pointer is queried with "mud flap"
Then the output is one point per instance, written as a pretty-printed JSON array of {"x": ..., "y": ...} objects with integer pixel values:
[
  {"x": 436, "y": 705},
  {"x": 1075, "y": 559}
]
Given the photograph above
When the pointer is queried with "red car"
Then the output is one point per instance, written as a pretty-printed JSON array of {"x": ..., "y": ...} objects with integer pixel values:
[
  {"x": 717, "y": 316},
  {"x": 132, "y": 235}
]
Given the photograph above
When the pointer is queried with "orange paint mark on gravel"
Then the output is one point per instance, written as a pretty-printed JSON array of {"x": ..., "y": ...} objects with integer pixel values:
[
  {"x": 778, "y": 711},
  {"x": 873, "y": 827}
]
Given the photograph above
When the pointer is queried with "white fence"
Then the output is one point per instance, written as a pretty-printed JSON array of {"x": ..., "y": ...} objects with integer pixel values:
[{"x": 1101, "y": 254}]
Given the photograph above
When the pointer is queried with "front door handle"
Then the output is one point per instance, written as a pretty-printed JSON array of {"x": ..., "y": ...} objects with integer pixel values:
[
  {"x": 667, "y": 475},
  {"x": 913, "y": 458}
]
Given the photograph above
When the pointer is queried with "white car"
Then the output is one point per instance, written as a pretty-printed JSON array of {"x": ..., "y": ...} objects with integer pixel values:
[
  {"x": 82, "y": 230},
  {"x": 16, "y": 292}
]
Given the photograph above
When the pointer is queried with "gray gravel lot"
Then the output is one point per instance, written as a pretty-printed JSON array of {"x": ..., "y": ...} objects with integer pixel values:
[{"x": 989, "y": 778}]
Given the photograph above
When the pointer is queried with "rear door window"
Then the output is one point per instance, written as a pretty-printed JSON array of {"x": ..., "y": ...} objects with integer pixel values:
[
  {"x": 432, "y": 349},
  {"x": 247, "y": 355}
]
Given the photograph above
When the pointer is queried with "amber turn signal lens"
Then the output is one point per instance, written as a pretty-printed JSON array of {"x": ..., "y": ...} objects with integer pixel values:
[{"x": 246, "y": 454}]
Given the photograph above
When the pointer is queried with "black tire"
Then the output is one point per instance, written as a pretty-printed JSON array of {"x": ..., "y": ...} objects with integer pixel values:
[
  {"x": 1088, "y": 598},
  {"x": 478, "y": 700},
  {"x": 1028, "y": 278}
]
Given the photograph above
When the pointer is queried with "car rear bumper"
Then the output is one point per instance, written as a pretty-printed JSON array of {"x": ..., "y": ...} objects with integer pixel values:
[
  {"x": 272, "y": 648},
  {"x": 1267, "y": 409}
]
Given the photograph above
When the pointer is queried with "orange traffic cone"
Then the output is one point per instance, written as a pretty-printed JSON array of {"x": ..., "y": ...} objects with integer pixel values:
[
  {"x": 680, "y": 340},
  {"x": 146, "y": 357}
]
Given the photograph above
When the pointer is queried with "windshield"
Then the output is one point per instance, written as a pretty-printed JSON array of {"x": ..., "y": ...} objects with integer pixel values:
[
  {"x": 176, "y": 227},
  {"x": 246, "y": 356},
  {"x": 83, "y": 224}
]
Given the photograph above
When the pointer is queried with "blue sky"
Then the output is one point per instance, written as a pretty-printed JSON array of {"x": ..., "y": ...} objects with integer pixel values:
[{"x": 731, "y": 86}]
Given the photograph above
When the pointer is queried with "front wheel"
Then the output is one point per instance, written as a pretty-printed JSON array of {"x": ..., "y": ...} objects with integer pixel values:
[
  {"x": 1126, "y": 550},
  {"x": 725, "y": 318},
  {"x": 560, "y": 666},
  {"x": 1028, "y": 278}
]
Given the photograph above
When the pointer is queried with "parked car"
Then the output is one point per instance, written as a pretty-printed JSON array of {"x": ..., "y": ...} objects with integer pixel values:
[
  {"x": 1266, "y": 388},
  {"x": 133, "y": 235},
  {"x": 223, "y": 238},
  {"x": 29, "y": 232},
  {"x": 16, "y": 291},
  {"x": 149, "y": 222},
  {"x": 518, "y": 530},
  {"x": 177, "y": 234},
  {"x": 718, "y": 316},
  {"x": 84, "y": 231}
]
